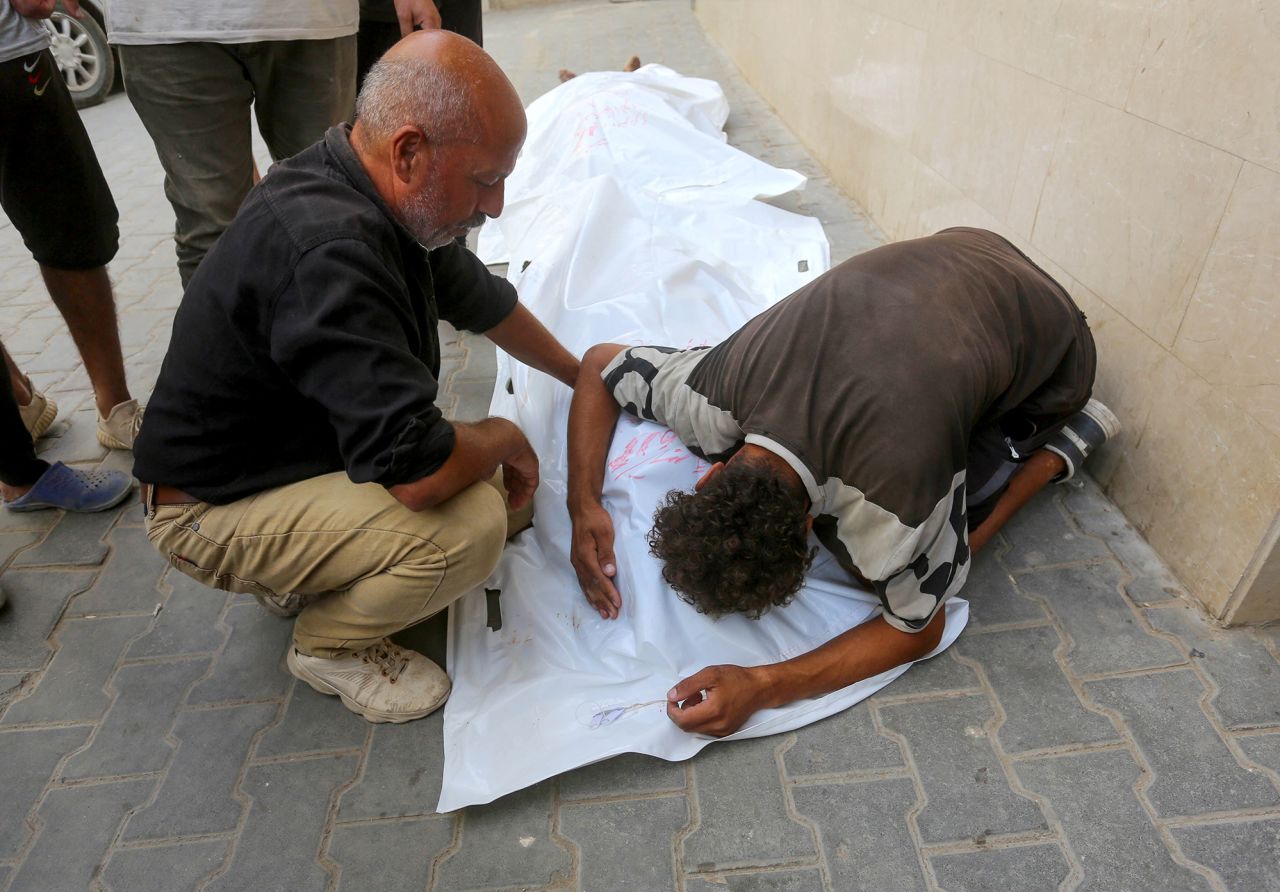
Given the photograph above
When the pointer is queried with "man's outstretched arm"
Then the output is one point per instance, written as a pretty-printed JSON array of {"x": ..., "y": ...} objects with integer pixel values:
[
  {"x": 734, "y": 693},
  {"x": 593, "y": 415},
  {"x": 525, "y": 338}
]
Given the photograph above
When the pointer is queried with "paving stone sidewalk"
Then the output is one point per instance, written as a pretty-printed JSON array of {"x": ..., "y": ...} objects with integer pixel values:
[{"x": 1088, "y": 731}]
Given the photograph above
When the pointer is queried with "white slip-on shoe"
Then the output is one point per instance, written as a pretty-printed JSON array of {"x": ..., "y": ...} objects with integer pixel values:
[
  {"x": 1084, "y": 432},
  {"x": 383, "y": 682}
]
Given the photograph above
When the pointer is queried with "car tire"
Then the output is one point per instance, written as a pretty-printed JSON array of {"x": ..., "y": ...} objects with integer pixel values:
[{"x": 80, "y": 48}]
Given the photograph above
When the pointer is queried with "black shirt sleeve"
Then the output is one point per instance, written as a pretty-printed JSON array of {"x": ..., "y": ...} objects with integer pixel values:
[
  {"x": 468, "y": 295},
  {"x": 341, "y": 332}
]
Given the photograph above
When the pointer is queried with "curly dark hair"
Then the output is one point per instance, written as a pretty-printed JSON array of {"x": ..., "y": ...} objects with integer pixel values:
[{"x": 737, "y": 546}]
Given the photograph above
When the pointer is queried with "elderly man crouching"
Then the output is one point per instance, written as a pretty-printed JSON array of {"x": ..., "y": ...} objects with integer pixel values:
[{"x": 293, "y": 448}]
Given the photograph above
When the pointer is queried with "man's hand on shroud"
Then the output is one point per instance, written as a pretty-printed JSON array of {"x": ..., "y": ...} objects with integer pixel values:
[{"x": 593, "y": 559}]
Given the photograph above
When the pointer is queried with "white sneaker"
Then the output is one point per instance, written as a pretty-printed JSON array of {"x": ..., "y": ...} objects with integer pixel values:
[
  {"x": 38, "y": 414},
  {"x": 383, "y": 683},
  {"x": 120, "y": 428}
]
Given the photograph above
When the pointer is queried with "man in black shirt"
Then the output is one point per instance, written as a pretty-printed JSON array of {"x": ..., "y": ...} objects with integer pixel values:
[{"x": 293, "y": 448}]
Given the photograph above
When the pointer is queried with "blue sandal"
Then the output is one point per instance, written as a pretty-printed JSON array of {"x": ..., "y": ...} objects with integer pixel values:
[{"x": 74, "y": 490}]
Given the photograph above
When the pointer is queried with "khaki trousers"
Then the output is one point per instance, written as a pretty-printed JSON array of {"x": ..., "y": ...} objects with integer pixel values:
[{"x": 380, "y": 566}]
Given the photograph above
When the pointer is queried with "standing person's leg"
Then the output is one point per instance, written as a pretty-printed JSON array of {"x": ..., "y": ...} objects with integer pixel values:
[
  {"x": 379, "y": 32},
  {"x": 45, "y": 133},
  {"x": 19, "y": 467},
  {"x": 194, "y": 100},
  {"x": 379, "y": 566},
  {"x": 463, "y": 17},
  {"x": 301, "y": 89}
]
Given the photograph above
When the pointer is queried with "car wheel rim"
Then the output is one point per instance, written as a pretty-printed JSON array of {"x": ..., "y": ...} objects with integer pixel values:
[{"x": 74, "y": 52}]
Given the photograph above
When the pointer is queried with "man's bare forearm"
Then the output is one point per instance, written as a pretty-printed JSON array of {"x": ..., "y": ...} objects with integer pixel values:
[
  {"x": 860, "y": 653},
  {"x": 527, "y": 339},
  {"x": 593, "y": 413},
  {"x": 478, "y": 450}
]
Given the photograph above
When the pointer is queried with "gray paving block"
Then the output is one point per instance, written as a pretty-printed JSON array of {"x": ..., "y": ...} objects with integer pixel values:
[
  {"x": 507, "y": 843},
  {"x": 73, "y": 439},
  {"x": 864, "y": 833},
  {"x": 1041, "y": 535},
  {"x": 846, "y": 741},
  {"x": 11, "y": 685},
  {"x": 481, "y": 362},
  {"x": 1042, "y": 709},
  {"x": 622, "y": 775},
  {"x": 313, "y": 723},
  {"x": 473, "y": 398},
  {"x": 128, "y": 581},
  {"x": 993, "y": 598},
  {"x": 29, "y": 758},
  {"x": 1195, "y": 773},
  {"x": 1264, "y": 749},
  {"x": 1106, "y": 634},
  {"x": 75, "y": 541},
  {"x": 1097, "y": 515},
  {"x": 131, "y": 738},
  {"x": 188, "y": 623},
  {"x": 1246, "y": 854},
  {"x": 743, "y": 817},
  {"x": 78, "y": 825},
  {"x": 401, "y": 773},
  {"x": 626, "y": 844},
  {"x": 802, "y": 880},
  {"x": 1026, "y": 867},
  {"x": 942, "y": 673},
  {"x": 281, "y": 838},
  {"x": 1105, "y": 825},
  {"x": 390, "y": 856},
  {"x": 12, "y": 543},
  {"x": 1246, "y": 672},
  {"x": 71, "y": 689},
  {"x": 251, "y": 667},
  {"x": 163, "y": 868},
  {"x": 35, "y": 602},
  {"x": 11, "y": 521},
  {"x": 197, "y": 794},
  {"x": 968, "y": 794}
]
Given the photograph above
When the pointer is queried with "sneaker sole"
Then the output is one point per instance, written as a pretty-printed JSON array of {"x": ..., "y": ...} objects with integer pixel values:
[
  {"x": 45, "y": 421},
  {"x": 111, "y": 442},
  {"x": 372, "y": 715},
  {"x": 45, "y": 506}
]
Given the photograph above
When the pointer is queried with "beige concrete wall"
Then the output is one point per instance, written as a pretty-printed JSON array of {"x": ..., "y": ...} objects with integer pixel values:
[{"x": 1130, "y": 146}]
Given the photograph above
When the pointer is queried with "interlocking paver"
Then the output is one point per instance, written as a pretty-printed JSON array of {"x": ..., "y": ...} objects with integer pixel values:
[
  {"x": 1025, "y": 867},
  {"x": 390, "y": 856},
  {"x": 940, "y": 674},
  {"x": 1042, "y": 535},
  {"x": 992, "y": 595},
  {"x": 251, "y": 667},
  {"x": 1106, "y": 634},
  {"x": 622, "y": 775},
  {"x": 35, "y": 601},
  {"x": 1195, "y": 773},
  {"x": 1245, "y": 671},
  {"x": 12, "y": 543},
  {"x": 507, "y": 843},
  {"x": 743, "y": 819},
  {"x": 968, "y": 794},
  {"x": 626, "y": 844},
  {"x": 401, "y": 773},
  {"x": 1245, "y": 854},
  {"x": 313, "y": 723},
  {"x": 72, "y": 687},
  {"x": 76, "y": 540},
  {"x": 845, "y": 742},
  {"x": 806, "y": 880},
  {"x": 280, "y": 841},
  {"x": 864, "y": 833},
  {"x": 29, "y": 758},
  {"x": 1264, "y": 749},
  {"x": 131, "y": 738},
  {"x": 128, "y": 582},
  {"x": 187, "y": 624},
  {"x": 163, "y": 868},
  {"x": 1041, "y": 708},
  {"x": 196, "y": 795},
  {"x": 1153, "y": 581},
  {"x": 73, "y": 438},
  {"x": 78, "y": 824},
  {"x": 1092, "y": 794}
]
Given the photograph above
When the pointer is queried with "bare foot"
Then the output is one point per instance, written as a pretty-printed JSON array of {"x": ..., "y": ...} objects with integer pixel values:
[
  {"x": 632, "y": 64},
  {"x": 566, "y": 75}
]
